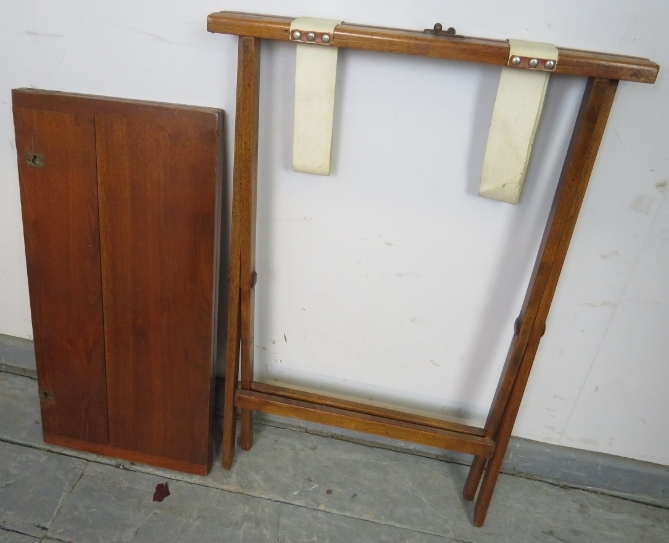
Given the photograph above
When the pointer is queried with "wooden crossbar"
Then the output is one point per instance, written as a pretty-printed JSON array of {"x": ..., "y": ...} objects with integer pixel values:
[
  {"x": 416, "y": 42},
  {"x": 489, "y": 444},
  {"x": 368, "y": 409},
  {"x": 362, "y": 422}
]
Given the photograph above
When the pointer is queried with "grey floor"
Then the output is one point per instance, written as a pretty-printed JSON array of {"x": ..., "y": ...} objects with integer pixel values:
[{"x": 292, "y": 486}]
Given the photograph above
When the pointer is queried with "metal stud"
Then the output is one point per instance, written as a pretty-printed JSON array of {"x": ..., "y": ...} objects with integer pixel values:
[
  {"x": 515, "y": 61},
  {"x": 533, "y": 63},
  {"x": 297, "y": 34},
  {"x": 325, "y": 38},
  {"x": 311, "y": 36},
  {"x": 550, "y": 64}
]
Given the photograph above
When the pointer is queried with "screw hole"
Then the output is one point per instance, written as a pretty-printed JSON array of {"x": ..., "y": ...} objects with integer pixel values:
[{"x": 35, "y": 160}]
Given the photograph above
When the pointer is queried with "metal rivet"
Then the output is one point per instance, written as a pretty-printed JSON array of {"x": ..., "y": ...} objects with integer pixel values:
[
  {"x": 550, "y": 64},
  {"x": 311, "y": 36},
  {"x": 325, "y": 38},
  {"x": 296, "y": 34},
  {"x": 534, "y": 63},
  {"x": 515, "y": 61}
]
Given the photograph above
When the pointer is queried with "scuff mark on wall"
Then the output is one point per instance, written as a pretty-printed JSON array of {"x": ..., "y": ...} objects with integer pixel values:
[
  {"x": 61, "y": 60},
  {"x": 642, "y": 204},
  {"x": 605, "y": 303},
  {"x": 42, "y": 34},
  {"x": 609, "y": 255},
  {"x": 150, "y": 34}
]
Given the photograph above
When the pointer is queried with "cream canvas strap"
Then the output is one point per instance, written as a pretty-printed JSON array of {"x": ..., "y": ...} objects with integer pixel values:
[
  {"x": 515, "y": 117},
  {"x": 315, "y": 79}
]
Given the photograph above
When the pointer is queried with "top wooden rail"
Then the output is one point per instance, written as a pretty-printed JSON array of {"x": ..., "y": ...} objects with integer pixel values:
[{"x": 416, "y": 42}]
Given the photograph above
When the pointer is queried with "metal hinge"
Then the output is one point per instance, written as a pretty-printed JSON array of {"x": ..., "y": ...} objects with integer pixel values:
[{"x": 438, "y": 31}]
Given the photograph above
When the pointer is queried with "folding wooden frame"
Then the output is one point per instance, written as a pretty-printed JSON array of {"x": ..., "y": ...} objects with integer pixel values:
[{"x": 487, "y": 444}]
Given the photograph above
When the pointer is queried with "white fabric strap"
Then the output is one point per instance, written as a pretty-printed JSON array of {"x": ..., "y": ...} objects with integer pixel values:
[
  {"x": 518, "y": 105},
  {"x": 315, "y": 78}
]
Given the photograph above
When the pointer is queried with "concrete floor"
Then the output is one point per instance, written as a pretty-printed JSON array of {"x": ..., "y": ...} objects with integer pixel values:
[{"x": 292, "y": 486}]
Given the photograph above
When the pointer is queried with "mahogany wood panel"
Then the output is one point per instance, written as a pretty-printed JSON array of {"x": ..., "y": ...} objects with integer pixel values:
[
  {"x": 368, "y": 409},
  {"x": 125, "y": 454},
  {"x": 158, "y": 211},
  {"x": 59, "y": 202},
  {"x": 240, "y": 301},
  {"x": 128, "y": 215},
  {"x": 361, "y": 422},
  {"x": 91, "y": 105},
  {"x": 416, "y": 42}
]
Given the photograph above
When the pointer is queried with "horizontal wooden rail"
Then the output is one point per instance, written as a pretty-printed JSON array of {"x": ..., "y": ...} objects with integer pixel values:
[
  {"x": 359, "y": 407},
  {"x": 416, "y": 42},
  {"x": 361, "y": 422}
]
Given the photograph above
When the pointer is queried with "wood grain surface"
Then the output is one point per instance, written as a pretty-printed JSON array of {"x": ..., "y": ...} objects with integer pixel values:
[
  {"x": 246, "y": 183},
  {"x": 130, "y": 242},
  {"x": 361, "y": 422},
  {"x": 369, "y": 409},
  {"x": 579, "y": 161},
  {"x": 158, "y": 194},
  {"x": 603, "y": 70},
  {"x": 242, "y": 246},
  {"x": 416, "y": 42},
  {"x": 59, "y": 203},
  {"x": 137, "y": 457}
]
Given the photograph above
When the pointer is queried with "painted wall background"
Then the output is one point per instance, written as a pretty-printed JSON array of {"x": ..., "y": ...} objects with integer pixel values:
[{"x": 391, "y": 279}]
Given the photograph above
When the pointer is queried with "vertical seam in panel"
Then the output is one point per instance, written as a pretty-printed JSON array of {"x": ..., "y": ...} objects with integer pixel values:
[{"x": 102, "y": 260}]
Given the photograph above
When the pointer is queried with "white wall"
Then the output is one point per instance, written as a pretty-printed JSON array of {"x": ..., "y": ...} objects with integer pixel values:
[{"x": 391, "y": 279}]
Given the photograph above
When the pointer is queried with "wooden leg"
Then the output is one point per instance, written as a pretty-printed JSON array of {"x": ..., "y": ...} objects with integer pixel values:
[
  {"x": 473, "y": 477},
  {"x": 504, "y": 433},
  {"x": 587, "y": 136},
  {"x": 247, "y": 363},
  {"x": 242, "y": 250},
  {"x": 246, "y": 160},
  {"x": 231, "y": 368},
  {"x": 247, "y": 309},
  {"x": 510, "y": 371}
]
